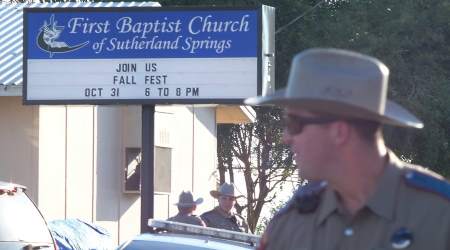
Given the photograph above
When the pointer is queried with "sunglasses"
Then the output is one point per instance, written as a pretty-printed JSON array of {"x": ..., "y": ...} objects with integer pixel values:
[{"x": 294, "y": 124}]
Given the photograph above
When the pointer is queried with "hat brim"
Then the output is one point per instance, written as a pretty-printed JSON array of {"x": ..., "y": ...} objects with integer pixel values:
[
  {"x": 394, "y": 114},
  {"x": 189, "y": 204},
  {"x": 216, "y": 194}
]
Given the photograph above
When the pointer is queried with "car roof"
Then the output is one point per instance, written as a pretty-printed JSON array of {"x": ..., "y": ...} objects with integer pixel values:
[
  {"x": 176, "y": 235},
  {"x": 185, "y": 242},
  {"x": 10, "y": 186},
  {"x": 178, "y": 227}
]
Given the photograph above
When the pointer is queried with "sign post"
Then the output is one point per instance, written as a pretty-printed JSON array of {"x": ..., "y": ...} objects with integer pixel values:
[
  {"x": 147, "y": 56},
  {"x": 148, "y": 168}
]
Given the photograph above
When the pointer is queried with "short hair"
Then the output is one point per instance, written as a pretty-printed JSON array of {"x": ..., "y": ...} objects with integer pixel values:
[
  {"x": 186, "y": 210},
  {"x": 369, "y": 131}
]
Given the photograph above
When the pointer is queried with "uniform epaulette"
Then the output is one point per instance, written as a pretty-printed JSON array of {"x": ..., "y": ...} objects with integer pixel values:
[
  {"x": 428, "y": 182},
  {"x": 306, "y": 199}
]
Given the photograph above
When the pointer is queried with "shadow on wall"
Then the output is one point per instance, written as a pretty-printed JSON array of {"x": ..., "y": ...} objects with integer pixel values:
[
  {"x": 111, "y": 204},
  {"x": 111, "y": 201},
  {"x": 206, "y": 116}
]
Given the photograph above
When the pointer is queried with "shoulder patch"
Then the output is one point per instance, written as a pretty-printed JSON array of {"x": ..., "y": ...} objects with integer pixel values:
[
  {"x": 305, "y": 200},
  {"x": 428, "y": 183}
]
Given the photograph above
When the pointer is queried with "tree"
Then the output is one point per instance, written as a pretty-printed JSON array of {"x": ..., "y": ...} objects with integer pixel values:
[{"x": 255, "y": 151}]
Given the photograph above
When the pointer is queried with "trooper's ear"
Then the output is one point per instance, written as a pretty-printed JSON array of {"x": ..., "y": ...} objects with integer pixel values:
[{"x": 340, "y": 132}]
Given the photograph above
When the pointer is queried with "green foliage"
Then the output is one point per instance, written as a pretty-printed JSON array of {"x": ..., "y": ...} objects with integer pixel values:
[{"x": 411, "y": 37}]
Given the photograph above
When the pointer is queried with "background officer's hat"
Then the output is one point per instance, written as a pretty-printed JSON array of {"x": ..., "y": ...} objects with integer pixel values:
[
  {"x": 225, "y": 190},
  {"x": 187, "y": 200}
]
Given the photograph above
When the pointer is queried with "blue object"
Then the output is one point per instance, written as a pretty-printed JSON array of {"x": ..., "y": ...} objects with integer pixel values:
[
  {"x": 402, "y": 238},
  {"x": 428, "y": 183},
  {"x": 140, "y": 33},
  {"x": 77, "y": 234}
]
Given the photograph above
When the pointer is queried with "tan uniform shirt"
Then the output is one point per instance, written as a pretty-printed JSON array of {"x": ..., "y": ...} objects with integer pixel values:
[
  {"x": 217, "y": 219},
  {"x": 188, "y": 219},
  {"x": 410, "y": 209}
]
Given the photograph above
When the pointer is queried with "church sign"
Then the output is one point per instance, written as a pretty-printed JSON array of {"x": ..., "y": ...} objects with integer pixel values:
[{"x": 142, "y": 55}]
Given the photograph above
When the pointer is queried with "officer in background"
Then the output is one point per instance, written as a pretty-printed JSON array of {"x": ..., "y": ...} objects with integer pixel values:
[
  {"x": 360, "y": 196},
  {"x": 223, "y": 215},
  {"x": 186, "y": 207}
]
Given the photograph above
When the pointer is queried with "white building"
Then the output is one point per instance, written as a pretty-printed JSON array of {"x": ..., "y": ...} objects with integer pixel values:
[{"x": 74, "y": 159}]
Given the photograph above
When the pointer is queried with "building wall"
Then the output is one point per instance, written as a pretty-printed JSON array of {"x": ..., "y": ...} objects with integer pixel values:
[
  {"x": 52, "y": 161},
  {"x": 72, "y": 159},
  {"x": 82, "y": 152},
  {"x": 19, "y": 143},
  {"x": 205, "y": 157},
  {"x": 195, "y": 146},
  {"x": 130, "y": 203},
  {"x": 109, "y": 161}
]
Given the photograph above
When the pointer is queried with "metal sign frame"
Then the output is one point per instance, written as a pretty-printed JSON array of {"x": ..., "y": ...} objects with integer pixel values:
[{"x": 150, "y": 11}]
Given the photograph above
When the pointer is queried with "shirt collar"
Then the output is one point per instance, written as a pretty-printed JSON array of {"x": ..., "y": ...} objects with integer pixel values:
[
  {"x": 382, "y": 202},
  {"x": 223, "y": 213},
  {"x": 328, "y": 205}
]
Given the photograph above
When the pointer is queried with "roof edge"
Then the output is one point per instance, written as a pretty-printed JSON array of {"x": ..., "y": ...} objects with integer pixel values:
[{"x": 11, "y": 90}]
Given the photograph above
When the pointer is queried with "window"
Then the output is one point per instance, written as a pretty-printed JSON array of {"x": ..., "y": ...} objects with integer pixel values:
[{"x": 163, "y": 169}]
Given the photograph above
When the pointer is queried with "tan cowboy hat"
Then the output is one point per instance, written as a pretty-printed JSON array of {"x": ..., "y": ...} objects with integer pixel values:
[
  {"x": 225, "y": 190},
  {"x": 186, "y": 199},
  {"x": 341, "y": 83}
]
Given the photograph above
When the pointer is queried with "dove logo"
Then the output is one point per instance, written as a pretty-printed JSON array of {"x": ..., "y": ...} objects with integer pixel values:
[{"x": 47, "y": 39}]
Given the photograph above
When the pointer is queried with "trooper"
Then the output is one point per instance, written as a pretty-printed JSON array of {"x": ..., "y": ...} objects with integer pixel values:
[
  {"x": 186, "y": 207},
  {"x": 223, "y": 215},
  {"x": 360, "y": 195}
]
